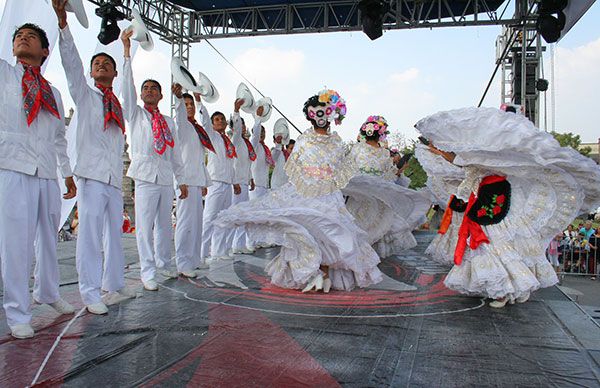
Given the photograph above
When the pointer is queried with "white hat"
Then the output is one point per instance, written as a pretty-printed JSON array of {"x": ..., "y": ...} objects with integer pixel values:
[
  {"x": 207, "y": 90},
  {"x": 281, "y": 128},
  {"x": 140, "y": 32},
  {"x": 76, "y": 6},
  {"x": 243, "y": 92},
  {"x": 267, "y": 105},
  {"x": 182, "y": 76}
]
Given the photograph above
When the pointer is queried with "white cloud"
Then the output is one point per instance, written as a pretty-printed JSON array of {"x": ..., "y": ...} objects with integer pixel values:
[
  {"x": 270, "y": 65},
  {"x": 577, "y": 81},
  {"x": 405, "y": 76}
]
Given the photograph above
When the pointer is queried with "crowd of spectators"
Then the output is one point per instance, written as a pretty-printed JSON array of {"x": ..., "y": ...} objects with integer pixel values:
[{"x": 576, "y": 250}]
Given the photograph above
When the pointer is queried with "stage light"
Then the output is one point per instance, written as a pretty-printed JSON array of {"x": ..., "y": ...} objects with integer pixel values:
[
  {"x": 551, "y": 19},
  {"x": 372, "y": 13},
  {"x": 541, "y": 85},
  {"x": 109, "y": 29}
]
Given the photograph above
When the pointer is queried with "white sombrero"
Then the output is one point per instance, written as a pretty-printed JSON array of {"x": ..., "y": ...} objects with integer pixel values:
[
  {"x": 243, "y": 92},
  {"x": 267, "y": 105},
  {"x": 208, "y": 91},
  {"x": 281, "y": 128},
  {"x": 140, "y": 32},
  {"x": 76, "y": 6},
  {"x": 182, "y": 76}
]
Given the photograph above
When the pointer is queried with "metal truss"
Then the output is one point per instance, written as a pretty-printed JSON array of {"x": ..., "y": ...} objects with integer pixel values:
[
  {"x": 180, "y": 27},
  {"x": 334, "y": 16}
]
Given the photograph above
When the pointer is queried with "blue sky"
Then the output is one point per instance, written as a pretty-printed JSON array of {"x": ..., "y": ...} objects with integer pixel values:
[{"x": 404, "y": 76}]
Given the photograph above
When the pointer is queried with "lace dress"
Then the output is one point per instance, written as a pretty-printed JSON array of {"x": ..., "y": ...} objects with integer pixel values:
[
  {"x": 550, "y": 185},
  {"x": 386, "y": 211},
  {"x": 443, "y": 179},
  {"x": 308, "y": 219}
]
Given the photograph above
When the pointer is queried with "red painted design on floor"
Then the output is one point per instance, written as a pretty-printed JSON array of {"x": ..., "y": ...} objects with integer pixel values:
[{"x": 245, "y": 348}]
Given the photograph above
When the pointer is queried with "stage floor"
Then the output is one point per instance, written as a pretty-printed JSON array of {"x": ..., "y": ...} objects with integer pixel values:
[{"x": 232, "y": 328}]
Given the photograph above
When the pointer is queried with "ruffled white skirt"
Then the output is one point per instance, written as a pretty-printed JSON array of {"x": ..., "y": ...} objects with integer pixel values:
[
  {"x": 513, "y": 264},
  {"x": 386, "y": 211},
  {"x": 311, "y": 232},
  {"x": 442, "y": 247}
]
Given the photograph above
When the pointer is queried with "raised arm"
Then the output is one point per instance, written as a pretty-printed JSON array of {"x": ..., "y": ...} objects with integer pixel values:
[
  {"x": 129, "y": 91},
  {"x": 255, "y": 139},
  {"x": 180, "y": 111},
  {"x": 69, "y": 55},
  {"x": 237, "y": 122}
]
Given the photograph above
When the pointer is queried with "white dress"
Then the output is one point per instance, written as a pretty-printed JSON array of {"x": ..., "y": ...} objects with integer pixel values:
[
  {"x": 308, "y": 219},
  {"x": 443, "y": 179},
  {"x": 550, "y": 185},
  {"x": 386, "y": 211}
]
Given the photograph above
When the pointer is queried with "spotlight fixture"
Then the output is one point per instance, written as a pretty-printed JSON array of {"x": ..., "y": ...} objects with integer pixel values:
[
  {"x": 109, "y": 29},
  {"x": 371, "y": 17},
  {"x": 551, "y": 19},
  {"x": 541, "y": 85}
]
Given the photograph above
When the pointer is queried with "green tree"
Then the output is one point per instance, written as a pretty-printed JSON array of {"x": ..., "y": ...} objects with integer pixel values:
[{"x": 571, "y": 140}]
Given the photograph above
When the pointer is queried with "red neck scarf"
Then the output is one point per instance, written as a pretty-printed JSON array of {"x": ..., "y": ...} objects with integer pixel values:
[
  {"x": 112, "y": 107},
  {"x": 37, "y": 93},
  {"x": 160, "y": 131},
  {"x": 286, "y": 153},
  {"x": 268, "y": 155},
  {"x": 204, "y": 139},
  {"x": 251, "y": 153},
  {"x": 229, "y": 147},
  {"x": 471, "y": 229}
]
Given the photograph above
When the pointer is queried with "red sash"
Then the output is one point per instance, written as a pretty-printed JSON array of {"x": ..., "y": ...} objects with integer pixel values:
[{"x": 469, "y": 229}]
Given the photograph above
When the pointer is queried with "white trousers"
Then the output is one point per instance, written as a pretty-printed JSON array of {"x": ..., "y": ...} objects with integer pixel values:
[
  {"x": 29, "y": 214},
  {"x": 258, "y": 192},
  {"x": 188, "y": 232},
  {"x": 100, "y": 209},
  {"x": 237, "y": 238},
  {"x": 214, "y": 240},
  {"x": 153, "y": 228}
]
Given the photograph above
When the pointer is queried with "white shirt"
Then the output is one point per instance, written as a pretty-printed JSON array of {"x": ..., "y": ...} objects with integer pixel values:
[
  {"x": 242, "y": 165},
  {"x": 146, "y": 164},
  {"x": 279, "y": 177},
  {"x": 260, "y": 167},
  {"x": 220, "y": 167},
  {"x": 192, "y": 150},
  {"x": 33, "y": 150},
  {"x": 99, "y": 150}
]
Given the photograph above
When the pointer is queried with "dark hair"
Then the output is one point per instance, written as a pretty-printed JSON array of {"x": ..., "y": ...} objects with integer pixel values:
[
  {"x": 511, "y": 109},
  {"x": 39, "y": 31},
  {"x": 112, "y": 60},
  {"x": 312, "y": 101},
  {"x": 152, "y": 80},
  {"x": 187, "y": 95},
  {"x": 292, "y": 141},
  {"x": 215, "y": 114}
]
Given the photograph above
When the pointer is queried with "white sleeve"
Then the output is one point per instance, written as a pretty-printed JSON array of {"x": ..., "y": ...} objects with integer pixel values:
[
  {"x": 60, "y": 141},
  {"x": 73, "y": 66}
]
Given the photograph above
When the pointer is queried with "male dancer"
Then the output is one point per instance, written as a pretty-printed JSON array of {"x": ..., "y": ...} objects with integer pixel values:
[
  {"x": 155, "y": 157},
  {"x": 243, "y": 170},
  {"x": 260, "y": 167},
  {"x": 194, "y": 140},
  {"x": 99, "y": 169},
  {"x": 32, "y": 144}
]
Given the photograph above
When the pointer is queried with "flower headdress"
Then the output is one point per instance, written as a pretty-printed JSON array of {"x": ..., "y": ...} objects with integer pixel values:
[
  {"x": 376, "y": 124},
  {"x": 335, "y": 103}
]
